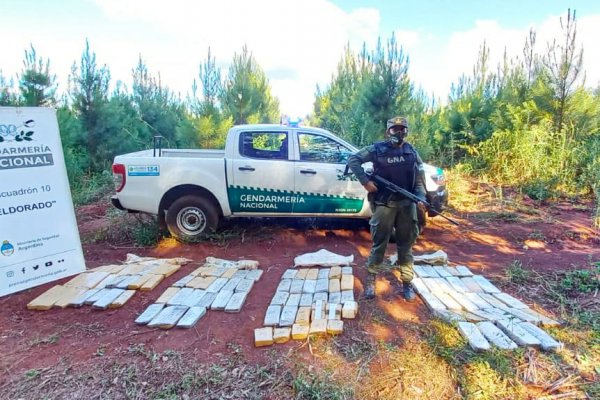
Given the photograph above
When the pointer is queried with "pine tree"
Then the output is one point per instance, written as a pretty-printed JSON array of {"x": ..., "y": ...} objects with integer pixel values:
[
  {"x": 564, "y": 64},
  {"x": 89, "y": 93},
  {"x": 385, "y": 89},
  {"x": 36, "y": 84},
  {"x": 336, "y": 106},
  {"x": 247, "y": 94},
  {"x": 212, "y": 87},
  {"x": 159, "y": 111},
  {"x": 366, "y": 90},
  {"x": 7, "y": 95}
]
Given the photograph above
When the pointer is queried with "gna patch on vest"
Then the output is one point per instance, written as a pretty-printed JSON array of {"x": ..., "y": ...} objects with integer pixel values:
[
  {"x": 395, "y": 160},
  {"x": 396, "y": 164}
]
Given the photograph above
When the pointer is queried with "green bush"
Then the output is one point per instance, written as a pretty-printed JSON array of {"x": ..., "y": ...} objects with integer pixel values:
[
  {"x": 88, "y": 188},
  {"x": 582, "y": 280},
  {"x": 540, "y": 190},
  {"x": 146, "y": 232}
]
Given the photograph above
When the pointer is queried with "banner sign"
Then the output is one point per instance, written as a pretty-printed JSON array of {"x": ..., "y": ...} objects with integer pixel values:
[{"x": 39, "y": 239}]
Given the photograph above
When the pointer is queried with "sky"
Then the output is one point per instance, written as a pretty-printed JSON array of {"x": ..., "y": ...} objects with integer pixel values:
[{"x": 298, "y": 44}]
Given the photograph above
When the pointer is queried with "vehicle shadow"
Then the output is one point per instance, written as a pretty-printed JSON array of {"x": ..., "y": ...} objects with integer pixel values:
[{"x": 299, "y": 223}]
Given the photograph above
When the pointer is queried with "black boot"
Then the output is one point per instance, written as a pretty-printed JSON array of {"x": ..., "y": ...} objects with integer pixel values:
[
  {"x": 408, "y": 292},
  {"x": 370, "y": 286}
]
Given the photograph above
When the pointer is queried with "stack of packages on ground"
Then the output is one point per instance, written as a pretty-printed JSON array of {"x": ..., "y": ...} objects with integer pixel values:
[
  {"x": 217, "y": 285},
  {"x": 109, "y": 286},
  {"x": 483, "y": 314},
  {"x": 310, "y": 301}
]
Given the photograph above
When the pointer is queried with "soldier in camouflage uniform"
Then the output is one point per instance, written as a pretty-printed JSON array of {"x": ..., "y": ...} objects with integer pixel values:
[{"x": 397, "y": 161}]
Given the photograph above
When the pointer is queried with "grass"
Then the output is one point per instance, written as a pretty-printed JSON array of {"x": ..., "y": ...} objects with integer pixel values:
[
  {"x": 485, "y": 200},
  {"x": 32, "y": 373},
  {"x": 356, "y": 348},
  {"x": 571, "y": 294},
  {"x": 228, "y": 237},
  {"x": 410, "y": 372},
  {"x": 487, "y": 375},
  {"x": 142, "y": 230},
  {"x": 445, "y": 341},
  {"x": 565, "y": 290},
  {"x": 358, "y": 366},
  {"x": 516, "y": 273},
  {"x": 537, "y": 235},
  {"x": 310, "y": 385},
  {"x": 51, "y": 339},
  {"x": 145, "y": 374},
  {"x": 522, "y": 373},
  {"x": 432, "y": 361},
  {"x": 481, "y": 381}
]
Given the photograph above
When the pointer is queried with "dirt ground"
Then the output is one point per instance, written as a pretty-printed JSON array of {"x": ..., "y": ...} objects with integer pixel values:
[{"x": 550, "y": 238}]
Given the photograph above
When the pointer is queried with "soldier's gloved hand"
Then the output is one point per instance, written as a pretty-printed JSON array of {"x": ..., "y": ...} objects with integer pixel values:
[{"x": 370, "y": 187}]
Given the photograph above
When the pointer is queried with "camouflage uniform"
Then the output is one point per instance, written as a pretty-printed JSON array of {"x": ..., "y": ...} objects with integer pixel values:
[{"x": 402, "y": 165}]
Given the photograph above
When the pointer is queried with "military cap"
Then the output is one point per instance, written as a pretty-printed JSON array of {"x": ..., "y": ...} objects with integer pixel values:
[{"x": 397, "y": 121}]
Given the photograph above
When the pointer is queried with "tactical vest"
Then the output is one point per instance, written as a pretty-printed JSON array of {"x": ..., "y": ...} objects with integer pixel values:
[{"x": 397, "y": 165}]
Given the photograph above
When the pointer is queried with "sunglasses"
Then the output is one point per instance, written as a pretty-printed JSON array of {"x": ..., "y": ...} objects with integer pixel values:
[{"x": 398, "y": 129}]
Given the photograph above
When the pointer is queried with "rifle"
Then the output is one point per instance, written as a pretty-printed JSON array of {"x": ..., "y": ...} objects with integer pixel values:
[{"x": 392, "y": 187}]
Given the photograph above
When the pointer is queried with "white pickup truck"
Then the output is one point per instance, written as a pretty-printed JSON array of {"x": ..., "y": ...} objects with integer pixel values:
[{"x": 264, "y": 171}]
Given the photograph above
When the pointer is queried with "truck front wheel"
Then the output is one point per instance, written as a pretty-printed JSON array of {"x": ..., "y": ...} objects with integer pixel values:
[{"x": 190, "y": 218}]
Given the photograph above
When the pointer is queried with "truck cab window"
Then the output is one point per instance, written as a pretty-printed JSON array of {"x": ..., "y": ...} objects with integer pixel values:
[
  {"x": 317, "y": 148},
  {"x": 264, "y": 145}
]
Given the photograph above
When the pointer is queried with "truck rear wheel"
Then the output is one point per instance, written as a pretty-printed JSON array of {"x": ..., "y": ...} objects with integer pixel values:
[{"x": 191, "y": 217}]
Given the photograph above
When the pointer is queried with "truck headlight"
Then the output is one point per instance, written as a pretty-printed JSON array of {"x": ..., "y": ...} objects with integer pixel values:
[{"x": 439, "y": 178}]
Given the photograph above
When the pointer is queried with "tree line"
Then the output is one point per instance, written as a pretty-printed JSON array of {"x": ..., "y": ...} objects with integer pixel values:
[
  {"x": 529, "y": 122},
  {"x": 97, "y": 122}
]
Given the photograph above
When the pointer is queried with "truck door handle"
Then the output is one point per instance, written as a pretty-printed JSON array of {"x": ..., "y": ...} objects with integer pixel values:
[
  {"x": 246, "y": 168},
  {"x": 308, "y": 171}
]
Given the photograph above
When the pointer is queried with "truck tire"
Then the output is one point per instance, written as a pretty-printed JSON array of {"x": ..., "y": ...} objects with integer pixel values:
[{"x": 191, "y": 217}]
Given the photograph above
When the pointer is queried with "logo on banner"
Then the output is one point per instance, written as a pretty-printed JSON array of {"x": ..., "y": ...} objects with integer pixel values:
[
  {"x": 14, "y": 133},
  {"x": 7, "y": 248},
  {"x": 26, "y": 156}
]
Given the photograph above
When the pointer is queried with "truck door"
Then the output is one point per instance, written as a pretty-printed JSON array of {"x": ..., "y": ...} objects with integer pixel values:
[
  {"x": 262, "y": 179},
  {"x": 319, "y": 177}
]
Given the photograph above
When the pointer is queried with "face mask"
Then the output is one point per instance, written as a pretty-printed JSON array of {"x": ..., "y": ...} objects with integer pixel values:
[{"x": 397, "y": 134}]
